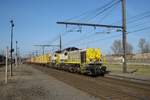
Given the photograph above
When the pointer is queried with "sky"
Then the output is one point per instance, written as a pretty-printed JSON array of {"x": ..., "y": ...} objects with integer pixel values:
[{"x": 35, "y": 23}]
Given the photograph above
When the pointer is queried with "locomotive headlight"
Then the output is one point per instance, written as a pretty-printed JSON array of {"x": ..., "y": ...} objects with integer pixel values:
[
  {"x": 65, "y": 53},
  {"x": 91, "y": 61}
]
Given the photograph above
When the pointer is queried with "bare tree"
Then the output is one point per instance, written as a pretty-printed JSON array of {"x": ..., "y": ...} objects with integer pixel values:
[
  {"x": 2, "y": 52},
  {"x": 141, "y": 44},
  {"x": 144, "y": 46},
  {"x": 117, "y": 48},
  {"x": 129, "y": 48},
  {"x": 147, "y": 48}
]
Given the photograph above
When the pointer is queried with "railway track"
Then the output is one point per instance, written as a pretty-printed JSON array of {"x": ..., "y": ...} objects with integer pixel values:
[
  {"x": 104, "y": 87},
  {"x": 125, "y": 78}
]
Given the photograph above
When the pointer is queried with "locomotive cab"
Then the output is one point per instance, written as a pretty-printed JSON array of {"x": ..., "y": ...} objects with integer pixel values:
[{"x": 91, "y": 59}]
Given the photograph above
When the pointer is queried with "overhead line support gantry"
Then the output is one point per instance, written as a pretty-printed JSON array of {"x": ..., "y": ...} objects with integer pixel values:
[
  {"x": 123, "y": 27},
  {"x": 89, "y": 24},
  {"x": 43, "y": 47}
]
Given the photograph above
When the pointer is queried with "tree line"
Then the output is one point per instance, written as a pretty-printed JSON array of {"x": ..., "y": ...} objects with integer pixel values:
[{"x": 117, "y": 47}]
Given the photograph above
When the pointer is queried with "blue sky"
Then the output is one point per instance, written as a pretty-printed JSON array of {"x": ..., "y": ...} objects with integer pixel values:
[{"x": 35, "y": 23}]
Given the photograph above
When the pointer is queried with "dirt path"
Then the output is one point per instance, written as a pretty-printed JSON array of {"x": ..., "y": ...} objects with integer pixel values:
[{"x": 29, "y": 83}]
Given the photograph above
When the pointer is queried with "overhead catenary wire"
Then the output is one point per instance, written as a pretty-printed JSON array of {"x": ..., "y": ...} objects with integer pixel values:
[
  {"x": 138, "y": 30},
  {"x": 132, "y": 20},
  {"x": 87, "y": 37},
  {"x": 138, "y": 15},
  {"x": 105, "y": 9},
  {"x": 95, "y": 11},
  {"x": 57, "y": 37},
  {"x": 135, "y": 18},
  {"x": 138, "y": 24},
  {"x": 110, "y": 5},
  {"x": 138, "y": 19},
  {"x": 79, "y": 39},
  {"x": 116, "y": 35},
  {"x": 99, "y": 10},
  {"x": 107, "y": 14}
]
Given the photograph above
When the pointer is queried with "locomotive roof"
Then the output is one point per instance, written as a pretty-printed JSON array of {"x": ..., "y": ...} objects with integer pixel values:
[
  {"x": 71, "y": 49},
  {"x": 67, "y": 49}
]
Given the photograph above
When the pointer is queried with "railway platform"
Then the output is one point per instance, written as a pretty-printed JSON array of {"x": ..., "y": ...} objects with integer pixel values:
[{"x": 28, "y": 83}]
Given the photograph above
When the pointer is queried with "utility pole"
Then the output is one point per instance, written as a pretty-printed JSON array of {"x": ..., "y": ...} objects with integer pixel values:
[
  {"x": 60, "y": 44},
  {"x": 6, "y": 64},
  {"x": 16, "y": 59},
  {"x": 11, "y": 51},
  {"x": 124, "y": 38},
  {"x": 43, "y": 50}
]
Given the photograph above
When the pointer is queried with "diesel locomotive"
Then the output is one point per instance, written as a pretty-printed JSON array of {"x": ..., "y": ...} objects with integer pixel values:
[{"x": 87, "y": 61}]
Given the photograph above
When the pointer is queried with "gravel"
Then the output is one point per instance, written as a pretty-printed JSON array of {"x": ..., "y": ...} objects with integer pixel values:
[
  {"x": 102, "y": 87},
  {"x": 28, "y": 83}
]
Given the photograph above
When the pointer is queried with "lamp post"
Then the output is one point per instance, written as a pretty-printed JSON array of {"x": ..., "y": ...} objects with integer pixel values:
[{"x": 11, "y": 50}]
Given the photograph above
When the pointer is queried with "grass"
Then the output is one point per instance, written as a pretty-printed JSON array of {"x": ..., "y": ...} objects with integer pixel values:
[{"x": 136, "y": 69}]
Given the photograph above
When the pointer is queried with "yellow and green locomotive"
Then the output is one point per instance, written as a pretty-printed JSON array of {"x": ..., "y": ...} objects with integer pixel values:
[{"x": 85, "y": 61}]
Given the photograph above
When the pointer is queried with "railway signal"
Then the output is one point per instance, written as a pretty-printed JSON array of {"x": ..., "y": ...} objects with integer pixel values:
[
  {"x": 16, "y": 59},
  {"x": 11, "y": 50}
]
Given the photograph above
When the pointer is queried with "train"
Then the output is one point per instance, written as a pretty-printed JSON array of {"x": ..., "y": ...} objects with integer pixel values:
[
  {"x": 89, "y": 61},
  {"x": 2, "y": 60}
]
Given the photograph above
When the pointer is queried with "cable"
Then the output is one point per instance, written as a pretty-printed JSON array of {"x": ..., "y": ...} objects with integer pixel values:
[
  {"x": 139, "y": 15},
  {"x": 138, "y": 19},
  {"x": 105, "y": 9},
  {"x": 92, "y": 11},
  {"x": 107, "y": 14},
  {"x": 138, "y": 24},
  {"x": 134, "y": 17},
  {"x": 100, "y": 10},
  {"x": 55, "y": 38},
  {"x": 138, "y": 30},
  {"x": 79, "y": 39},
  {"x": 116, "y": 35}
]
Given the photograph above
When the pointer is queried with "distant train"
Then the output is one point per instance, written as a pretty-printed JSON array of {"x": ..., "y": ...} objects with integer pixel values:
[
  {"x": 88, "y": 61},
  {"x": 2, "y": 60}
]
